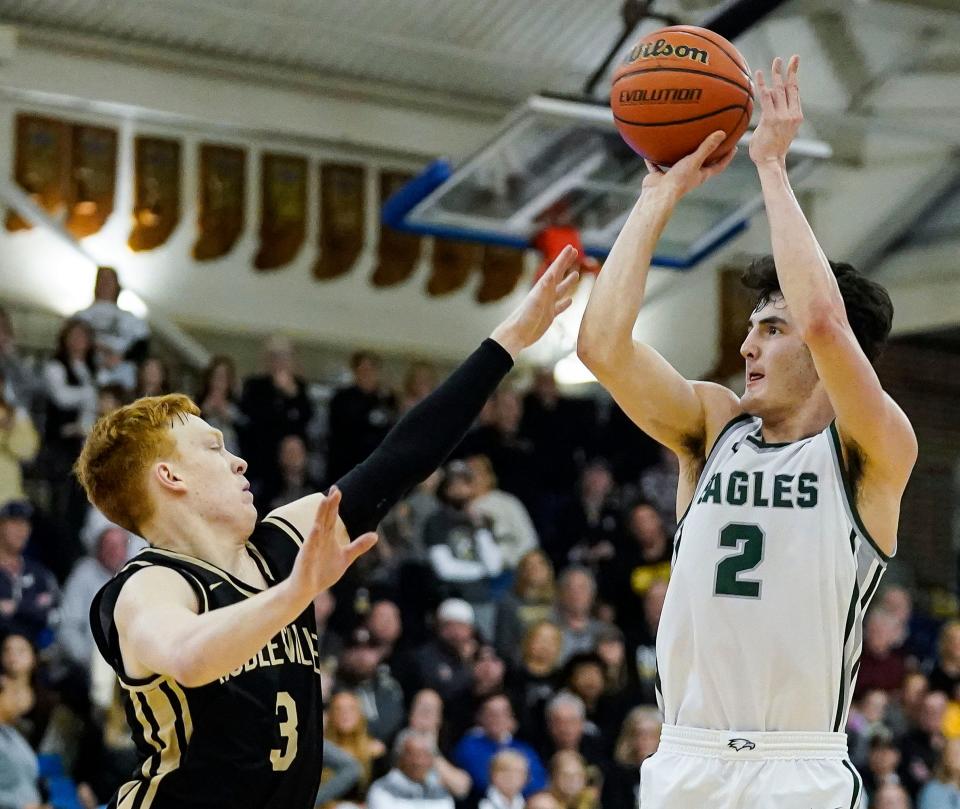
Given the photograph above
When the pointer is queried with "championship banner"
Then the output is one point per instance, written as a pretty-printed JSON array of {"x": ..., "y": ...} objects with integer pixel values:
[
  {"x": 341, "y": 219},
  {"x": 283, "y": 215},
  {"x": 501, "y": 269},
  {"x": 452, "y": 264},
  {"x": 397, "y": 252},
  {"x": 40, "y": 164},
  {"x": 93, "y": 178},
  {"x": 221, "y": 200},
  {"x": 156, "y": 191}
]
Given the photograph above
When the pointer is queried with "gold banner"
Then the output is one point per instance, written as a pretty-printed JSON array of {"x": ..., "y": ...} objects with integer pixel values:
[
  {"x": 156, "y": 192},
  {"x": 93, "y": 179},
  {"x": 221, "y": 201},
  {"x": 283, "y": 217},
  {"x": 501, "y": 269},
  {"x": 341, "y": 219},
  {"x": 40, "y": 164},
  {"x": 397, "y": 252},
  {"x": 452, "y": 264}
]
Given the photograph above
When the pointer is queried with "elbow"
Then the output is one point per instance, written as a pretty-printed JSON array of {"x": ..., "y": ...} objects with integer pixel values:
[
  {"x": 825, "y": 326},
  {"x": 593, "y": 351},
  {"x": 189, "y": 670}
]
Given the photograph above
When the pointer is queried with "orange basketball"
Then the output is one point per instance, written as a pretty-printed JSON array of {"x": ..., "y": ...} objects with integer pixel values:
[{"x": 678, "y": 85}]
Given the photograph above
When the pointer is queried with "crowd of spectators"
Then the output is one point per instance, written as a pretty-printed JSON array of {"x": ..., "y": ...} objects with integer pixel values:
[{"x": 495, "y": 650}]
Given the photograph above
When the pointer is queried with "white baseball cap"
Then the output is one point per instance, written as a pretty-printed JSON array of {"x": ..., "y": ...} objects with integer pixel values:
[{"x": 456, "y": 609}]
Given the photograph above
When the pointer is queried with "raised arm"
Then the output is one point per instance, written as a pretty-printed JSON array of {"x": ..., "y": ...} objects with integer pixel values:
[
  {"x": 424, "y": 437},
  {"x": 868, "y": 420},
  {"x": 679, "y": 414}
]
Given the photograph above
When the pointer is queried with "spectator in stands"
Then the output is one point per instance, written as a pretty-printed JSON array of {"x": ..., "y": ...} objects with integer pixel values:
[
  {"x": 19, "y": 381},
  {"x": 128, "y": 334},
  {"x": 87, "y": 577},
  {"x": 891, "y": 796},
  {"x": 112, "y": 368},
  {"x": 507, "y": 516},
  {"x": 386, "y": 628},
  {"x": 418, "y": 383},
  {"x": 529, "y": 602},
  {"x": 570, "y": 782},
  {"x": 591, "y": 526},
  {"x": 153, "y": 378},
  {"x": 21, "y": 669},
  {"x": 496, "y": 726},
  {"x": 543, "y": 800},
  {"x": 444, "y": 663},
  {"x": 345, "y": 771},
  {"x": 28, "y": 591},
  {"x": 537, "y": 678},
  {"x": 882, "y": 664},
  {"x": 882, "y": 764},
  {"x": 584, "y": 677},
  {"x": 638, "y": 740},
  {"x": 426, "y": 716},
  {"x": 463, "y": 553},
  {"x": 946, "y": 673},
  {"x": 347, "y": 728},
  {"x": 509, "y": 772},
  {"x": 943, "y": 790},
  {"x": 568, "y": 729},
  {"x": 413, "y": 783},
  {"x": 275, "y": 405},
  {"x": 645, "y": 654},
  {"x": 18, "y": 762},
  {"x": 866, "y": 721},
  {"x": 19, "y": 443},
  {"x": 573, "y": 612},
  {"x": 920, "y": 631},
  {"x": 218, "y": 398},
  {"x": 360, "y": 416},
  {"x": 403, "y": 525},
  {"x": 379, "y": 693},
  {"x": 292, "y": 479},
  {"x": 658, "y": 486},
  {"x": 921, "y": 747},
  {"x": 329, "y": 643}
]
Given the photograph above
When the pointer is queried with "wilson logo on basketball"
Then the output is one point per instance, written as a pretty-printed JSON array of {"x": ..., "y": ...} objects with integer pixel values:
[
  {"x": 677, "y": 95},
  {"x": 661, "y": 47}
]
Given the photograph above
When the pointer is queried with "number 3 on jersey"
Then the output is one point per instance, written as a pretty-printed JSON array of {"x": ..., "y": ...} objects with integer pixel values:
[
  {"x": 282, "y": 759},
  {"x": 748, "y": 539}
]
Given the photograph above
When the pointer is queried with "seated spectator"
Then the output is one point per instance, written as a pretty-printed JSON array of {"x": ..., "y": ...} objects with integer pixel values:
[
  {"x": 568, "y": 729},
  {"x": 866, "y": 720},
  {"x": 946, "y": 673},
  {"x": 292, "y": 479},
  {"x": 881, "y": 665},
  {"x": 489, "y": 673},
  {"x": 378, "y": 692},
  {"x": 529, "y": 602},
  {"x": 18, "y": 763},
  {"x": 891, "y": 796},
  {"x": 426, "y": 716},
  {"x": 153, "y": 378},
  {"x": 943, "y": 790},
  {"x": 583, "y": 677},
  {"x": 882, "y": 762},
  {"x": 345, "y": 772},
  {"x": 537, "y": 678},
  {"x": 86, "y": 578},
  {"x": 360, "y": 415},
  {"x": 19, "y": 381},
  {"x": 508, "y": 776},
  {"x": 570, "y": 782},
  {"x": 573, "y": 612},
  {"x": 20, "y": 667},
  {"x": 445, "y": 663},
  {"x": 218, "y": 398},
  {"x": 464, "y": 556},
  {"x": 921, "y": 747},
  {"x": 129, "y": 333},
  {"x": 418, "y": 383},
  {"x": 920, "y": 631},
  {"x": 496, "y": 726},
  {"x": 403, "y": 525},
  {"x": 638, "y": 740},
  {"x": 620, "y": 678},
  {"x": 347, "y": 728},
  {"x": 507, "y": 516},
  {"x": 19, "y": 443},
  {"x": 590, "y": 529},
  {"x": 386, "y": 628},
  {"x": 28, "y": 591},
  {"x": 413, "y": 782}
]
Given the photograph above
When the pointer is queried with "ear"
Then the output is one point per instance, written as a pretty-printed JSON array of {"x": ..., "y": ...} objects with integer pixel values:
[{"x": 168, "y": 477}]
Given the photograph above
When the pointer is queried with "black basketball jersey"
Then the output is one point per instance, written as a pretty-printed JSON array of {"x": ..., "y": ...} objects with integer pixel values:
[{"x": 251, "y": 740}]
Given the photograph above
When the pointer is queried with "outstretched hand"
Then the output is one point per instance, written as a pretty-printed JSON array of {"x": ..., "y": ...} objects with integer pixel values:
[
  {"x": 327, "y": 552},
  {"x": 550, "y": 296},
  {"x": 690, "y": 172},
  {"x": 780, "y": 112}
]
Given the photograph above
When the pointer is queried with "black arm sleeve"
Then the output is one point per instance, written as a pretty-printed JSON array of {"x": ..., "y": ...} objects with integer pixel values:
[{"x": 421, "y": 440}]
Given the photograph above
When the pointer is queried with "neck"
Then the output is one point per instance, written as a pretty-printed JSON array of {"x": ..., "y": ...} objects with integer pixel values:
[
  {"x": 189, "y": 534},
  {"x": 539, "y": 667},
  {"x": 810, "y": 418}
]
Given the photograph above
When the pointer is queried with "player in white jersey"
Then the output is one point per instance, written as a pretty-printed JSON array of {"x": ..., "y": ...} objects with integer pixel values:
[{"x": 790, "y": 498}]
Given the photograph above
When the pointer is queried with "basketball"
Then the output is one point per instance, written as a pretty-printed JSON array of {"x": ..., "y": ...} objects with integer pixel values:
[{"x": 677, "y": 86}]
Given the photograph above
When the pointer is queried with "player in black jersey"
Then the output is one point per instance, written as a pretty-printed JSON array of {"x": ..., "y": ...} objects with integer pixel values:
[{"x": 211, "y": 629}]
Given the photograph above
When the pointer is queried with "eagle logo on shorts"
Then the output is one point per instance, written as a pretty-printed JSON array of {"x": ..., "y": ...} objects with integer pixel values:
[{"x": 741, "y": 744}]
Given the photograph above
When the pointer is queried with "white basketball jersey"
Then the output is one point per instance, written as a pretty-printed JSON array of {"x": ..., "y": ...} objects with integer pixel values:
[{"x": 772, "y": 572}]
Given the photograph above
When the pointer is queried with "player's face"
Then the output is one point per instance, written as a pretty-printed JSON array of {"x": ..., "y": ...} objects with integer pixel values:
[
  {"x": 213, "y": 477},
  {"x": 780, "y": 373}
]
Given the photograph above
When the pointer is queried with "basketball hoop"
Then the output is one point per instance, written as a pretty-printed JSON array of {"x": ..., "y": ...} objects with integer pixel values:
[{"x": 550, "y": 242}]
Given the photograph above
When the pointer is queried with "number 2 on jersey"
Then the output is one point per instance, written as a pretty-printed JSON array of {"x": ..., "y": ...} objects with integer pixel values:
[
  {"x": 749, "y": 539},
  {"x": 282, "y": 759}
]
